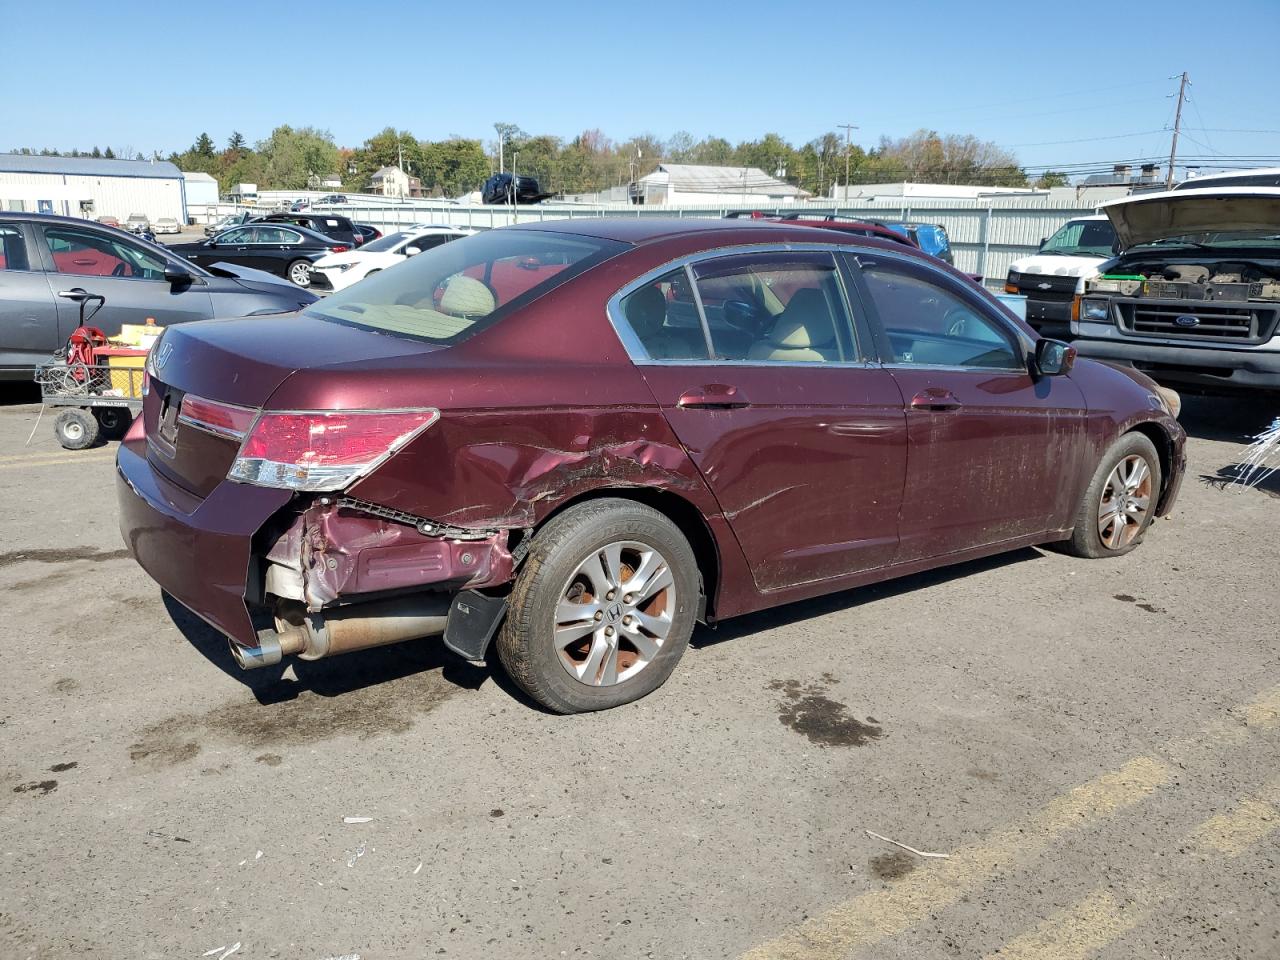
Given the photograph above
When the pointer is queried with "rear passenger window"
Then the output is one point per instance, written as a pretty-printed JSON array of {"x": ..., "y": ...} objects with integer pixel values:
[
  {"x": 775, "y": 308},
  {"x": 664, "y": 319},
  {"x": 13, "y": 249}
]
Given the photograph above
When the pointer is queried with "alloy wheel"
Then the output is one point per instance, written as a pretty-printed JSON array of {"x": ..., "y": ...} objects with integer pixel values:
[
  {"x": 300, "y": 273},
  {"x": 615, "y": 613},
  {"x": 1125, "y": 502}
]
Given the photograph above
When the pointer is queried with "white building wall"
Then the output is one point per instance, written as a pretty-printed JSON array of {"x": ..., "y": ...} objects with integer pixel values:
[{"x": 114, "y": 196}]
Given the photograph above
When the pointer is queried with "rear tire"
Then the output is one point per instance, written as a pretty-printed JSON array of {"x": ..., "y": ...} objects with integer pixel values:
[
  {"x": 602, "y": 609},
  {"x": 76, "y": 429},
  {"x": 299, "y": 273},
  {"x": 1120, "y": 502},
  {"x": 113, "y": 422}
]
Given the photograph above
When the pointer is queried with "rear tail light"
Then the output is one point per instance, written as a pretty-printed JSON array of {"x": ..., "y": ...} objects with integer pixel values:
[
  {"x": 220, "y": 419},
  {"x": 322, "y": 450},
  {"x": 340, "y": 248}
]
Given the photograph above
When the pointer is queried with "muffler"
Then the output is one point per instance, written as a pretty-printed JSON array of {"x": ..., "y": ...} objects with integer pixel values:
[{"x": 356, "y": 626}]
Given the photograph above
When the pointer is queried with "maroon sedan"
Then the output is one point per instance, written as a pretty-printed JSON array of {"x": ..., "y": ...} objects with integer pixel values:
[{"x": 575, "y": 440}]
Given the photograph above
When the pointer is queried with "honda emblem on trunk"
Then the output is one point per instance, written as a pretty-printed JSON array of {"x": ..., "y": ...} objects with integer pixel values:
[{"x": 162, "y": 355}]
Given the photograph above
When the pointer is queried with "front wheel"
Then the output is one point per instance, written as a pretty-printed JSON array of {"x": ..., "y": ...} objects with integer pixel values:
[
  {"x": 76, "y": 429},
  {"x": 300, "y": 272},
  {"x": 603, "y": 607},
  {"x": 1120, "y": 502}
]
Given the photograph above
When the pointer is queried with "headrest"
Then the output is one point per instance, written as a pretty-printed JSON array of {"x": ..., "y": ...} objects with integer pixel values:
[
  {"x": 646, "y": 311},
  {"x": 806, "y": 322},
  {"x": 467, "y": 297}
]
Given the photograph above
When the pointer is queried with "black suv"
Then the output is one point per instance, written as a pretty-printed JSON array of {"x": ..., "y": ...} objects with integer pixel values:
[
  {"x": 49, "y": 265},
  {"x": 504, "y": 188},
  {"x": 329, "y": 224}
]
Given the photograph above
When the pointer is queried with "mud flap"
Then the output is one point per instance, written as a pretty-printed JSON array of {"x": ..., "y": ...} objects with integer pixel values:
[{"x": 473, "y": 620}]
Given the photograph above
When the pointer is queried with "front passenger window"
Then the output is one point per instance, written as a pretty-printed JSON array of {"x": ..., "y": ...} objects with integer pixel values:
[{"x": 928, "y": 325}]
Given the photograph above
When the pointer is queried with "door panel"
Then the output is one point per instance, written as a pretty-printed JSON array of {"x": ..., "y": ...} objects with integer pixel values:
[
  {"x": 28, "y": 317},
  {"x": 990, "y": 446},
  {"x": 802, "y": 443}
]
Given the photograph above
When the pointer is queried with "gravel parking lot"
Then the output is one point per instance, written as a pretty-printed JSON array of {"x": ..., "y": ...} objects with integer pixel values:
[{"x": 1094, "y": 745}]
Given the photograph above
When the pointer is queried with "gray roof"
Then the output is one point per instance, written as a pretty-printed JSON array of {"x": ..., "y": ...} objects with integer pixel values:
[
  {"x": 88, "y": 167},
  {"x": 697, "y": 178},
  {"x": 196, "y": 175}
]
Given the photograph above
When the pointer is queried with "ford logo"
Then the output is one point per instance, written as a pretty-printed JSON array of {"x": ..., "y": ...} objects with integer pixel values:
[{"x": 1186, "y": 320}]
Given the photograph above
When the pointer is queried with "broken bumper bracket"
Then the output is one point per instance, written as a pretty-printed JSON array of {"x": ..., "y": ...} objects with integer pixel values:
[{"x": 473, "y": 620}]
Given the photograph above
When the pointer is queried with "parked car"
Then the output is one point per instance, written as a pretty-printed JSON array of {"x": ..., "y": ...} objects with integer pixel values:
[
  {"x": 299, "y": 205},
  {"x": 932, "y": 238},
  {"x": 49, "y": 265},
  {"x": 281, "y": 249},
  {"x": 167, "y": 225},
  {"x": 338, "y": 271},
  {"x": 1193, "y": 299},
  {"x": 331, "y": 225},
  {"x": 1048, "y": 277},
  {"x": 503, "y": 188},
  {"x": 137, "y": 223},
  {"x": 366, "y": 232},
  {"x": 227, "y": 222},
  {"x": 574, "y": 439},
  {"x": 333, "y": 198},
  {"x": 109, "y": 221}
]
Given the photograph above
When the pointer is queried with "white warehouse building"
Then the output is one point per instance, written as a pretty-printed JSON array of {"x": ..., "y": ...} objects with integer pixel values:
[{"x": 90, "y": 187}]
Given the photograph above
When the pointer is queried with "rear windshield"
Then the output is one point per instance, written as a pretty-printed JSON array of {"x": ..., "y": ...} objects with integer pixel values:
[
  {"x": 383, "y": 244},
  {"x": 453, "y": 291}
]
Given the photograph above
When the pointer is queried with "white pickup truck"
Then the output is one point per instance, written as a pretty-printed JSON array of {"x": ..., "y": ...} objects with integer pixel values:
[{"x": 1048, "y": 278}]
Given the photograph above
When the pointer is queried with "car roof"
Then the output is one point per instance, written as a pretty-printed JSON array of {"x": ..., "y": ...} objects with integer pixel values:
[
  {"x": 305, "y": 231},
  {"x": 652, "y": 229}
]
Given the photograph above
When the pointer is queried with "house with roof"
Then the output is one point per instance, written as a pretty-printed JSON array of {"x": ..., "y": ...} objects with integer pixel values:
[
  {"x": 692, "y": 184},
  {"x": 394, "y": 182}
]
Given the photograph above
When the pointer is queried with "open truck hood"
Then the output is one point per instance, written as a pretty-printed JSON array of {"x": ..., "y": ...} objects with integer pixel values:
[{"x": 1155, "y": 216}]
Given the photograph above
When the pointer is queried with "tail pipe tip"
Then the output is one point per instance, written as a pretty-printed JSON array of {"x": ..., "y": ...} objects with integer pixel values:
[{"x": 267, "y": 653}]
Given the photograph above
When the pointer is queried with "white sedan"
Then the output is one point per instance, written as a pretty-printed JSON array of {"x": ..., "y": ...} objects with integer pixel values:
[{"x": 336, "y": 271}]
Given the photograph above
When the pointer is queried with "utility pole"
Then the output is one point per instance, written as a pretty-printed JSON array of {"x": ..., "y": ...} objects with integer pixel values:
[
  {"x": 848, "y": 129},
  {"x": 1177, "y": 126}
]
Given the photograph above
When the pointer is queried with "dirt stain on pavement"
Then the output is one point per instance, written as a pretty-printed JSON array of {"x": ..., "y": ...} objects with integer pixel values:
[
  {"x": 66, "y": 685},
  {"x": 61, "y": 555},
  {"x": 44, "y": 787},
  {"x": 1148, "y": 607},
  {"x": 62, "y": 767},
  {"x": 987, "y": 776},
  {"x": 388, "y": 707},
  {"x": 891, "y": 866},
  {"x": 270, "y": 759},
  {"x": 807, "y": 709}
]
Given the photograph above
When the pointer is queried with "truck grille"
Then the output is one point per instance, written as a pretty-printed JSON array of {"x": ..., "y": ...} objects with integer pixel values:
[
  {"x": 1059, "y": 288},
  {"x": 1236, "y": 323}
]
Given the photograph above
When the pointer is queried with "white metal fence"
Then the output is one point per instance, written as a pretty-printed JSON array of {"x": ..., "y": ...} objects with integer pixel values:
[{"x": 986, "y": 235}]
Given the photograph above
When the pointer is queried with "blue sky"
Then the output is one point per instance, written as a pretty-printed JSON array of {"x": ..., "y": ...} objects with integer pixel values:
[{"x": 151, "y": 76}]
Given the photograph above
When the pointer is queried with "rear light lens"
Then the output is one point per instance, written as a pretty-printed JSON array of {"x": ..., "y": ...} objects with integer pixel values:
[
  {"x": 340, "y": 248},
  {"x": 323, "y": 450},
  {"x": 220, "y": 419}
]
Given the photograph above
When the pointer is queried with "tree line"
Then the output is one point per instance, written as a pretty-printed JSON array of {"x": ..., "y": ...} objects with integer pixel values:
[{"x": 297, "y": 158}]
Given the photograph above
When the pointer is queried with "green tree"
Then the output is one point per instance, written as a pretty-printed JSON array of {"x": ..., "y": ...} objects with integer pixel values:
[
  {"x": 109, "y": 154},
  {"x": 387, "y": 148},
  {"x": 204, "y": 146},
  {"x": 235, "y": 142},
  {"x": 1052, "y": 178},
  {"x": 289, "y": 156}
]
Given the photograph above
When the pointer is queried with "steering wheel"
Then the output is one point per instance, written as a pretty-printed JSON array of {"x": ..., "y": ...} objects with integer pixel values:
[
  {"x": 119, "y": 269},
  {"x": 957, "y": 322}
]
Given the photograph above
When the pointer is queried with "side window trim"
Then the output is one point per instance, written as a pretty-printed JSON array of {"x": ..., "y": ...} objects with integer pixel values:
[
  {"x": 702, "y": 311},
  {"x": 854, "y": 261},
  {"x": 35, "y": 264}
]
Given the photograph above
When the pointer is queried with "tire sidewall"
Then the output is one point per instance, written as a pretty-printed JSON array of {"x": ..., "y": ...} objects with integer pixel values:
[
  {"x": 290, "y": 269},
  {"x": 528, "y": 632},
  {"x": 88, "y": 430}
]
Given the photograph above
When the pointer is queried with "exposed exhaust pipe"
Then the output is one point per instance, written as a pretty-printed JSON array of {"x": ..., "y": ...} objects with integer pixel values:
[{"x": 358, "y": 626}]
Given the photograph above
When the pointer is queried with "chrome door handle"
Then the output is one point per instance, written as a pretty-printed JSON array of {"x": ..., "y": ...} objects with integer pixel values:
[
  {"x": 935, "y": 398},
  {"x": 713, "y": 396},
  {"x": 75, "y": 293}
]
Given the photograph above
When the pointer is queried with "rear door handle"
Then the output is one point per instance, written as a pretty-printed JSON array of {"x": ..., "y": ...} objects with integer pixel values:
[
  {"x": 713, "y": 396},
  {"x": 935, "y": 398},
  {"x": 75, "y": 293}
]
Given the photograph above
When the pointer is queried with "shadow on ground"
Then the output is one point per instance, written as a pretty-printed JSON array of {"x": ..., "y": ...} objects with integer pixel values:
[{"x": 1232, "y": 419}]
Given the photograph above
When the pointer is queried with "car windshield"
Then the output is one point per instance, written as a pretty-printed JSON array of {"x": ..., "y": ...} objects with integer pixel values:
[
  {"x": 1082, "y": 238},
  {"x": 447, "y": 294},
  {"x": 383, "y": 244},
  {"x": 1268, "y": 239}
]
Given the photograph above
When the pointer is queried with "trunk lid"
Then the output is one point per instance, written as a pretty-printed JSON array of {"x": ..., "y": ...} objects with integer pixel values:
[
  {"x": 240, "y": 362},
  {"x": 1158, "y": 216}
]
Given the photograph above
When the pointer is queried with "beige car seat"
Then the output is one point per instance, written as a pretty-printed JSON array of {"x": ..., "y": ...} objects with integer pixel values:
[
  {"x": 646, "y": 311},
  {"x": 467, "y": 297},
  {"x": 803, "y": 331}
]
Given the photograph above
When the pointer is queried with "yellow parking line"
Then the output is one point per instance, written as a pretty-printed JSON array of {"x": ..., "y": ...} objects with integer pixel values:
[
  {"x": 52, "y": 460},
  {"x": 1098, "y": 918},
  {"x": 1077, "y": 932},
  {"x": 875, "y": 916}
]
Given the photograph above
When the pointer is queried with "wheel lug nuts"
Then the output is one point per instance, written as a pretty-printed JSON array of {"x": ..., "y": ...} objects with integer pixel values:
[
  {"x": 628, "y": 598},
  {"x": 599, "y": 615},
  {"x": 608, "y": 631},
  {"x": 609, "y": 596},
  {"x": 626, "y": 621}
]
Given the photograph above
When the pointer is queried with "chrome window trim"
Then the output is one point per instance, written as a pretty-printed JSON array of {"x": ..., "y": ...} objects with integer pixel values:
[
  {"x": 639, "y": 355},
  {"x": 804, "y": 364},
  {"x": 955, "y": 368}
]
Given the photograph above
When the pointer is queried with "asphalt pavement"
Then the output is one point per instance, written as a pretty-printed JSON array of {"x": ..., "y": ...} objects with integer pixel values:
[{"x": 1084, "y": 757}]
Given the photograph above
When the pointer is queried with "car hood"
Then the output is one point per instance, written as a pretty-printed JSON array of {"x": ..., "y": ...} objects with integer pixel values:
[
  {"x": 1156, "y": 216},
  {"x": 1059, "y": 266}
]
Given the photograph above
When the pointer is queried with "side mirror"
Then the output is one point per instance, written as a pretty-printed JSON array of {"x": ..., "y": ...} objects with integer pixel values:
[
  {"x": 1054, "y": 358},
  {"x": 176, "y": 274},
  {"x": 1043, "y": 241},
  {"x": 412, "y": 251}
]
